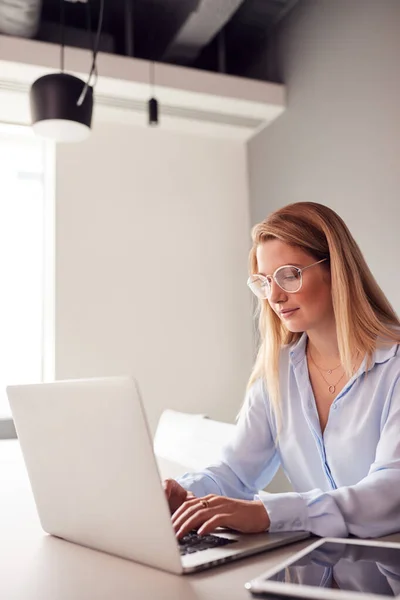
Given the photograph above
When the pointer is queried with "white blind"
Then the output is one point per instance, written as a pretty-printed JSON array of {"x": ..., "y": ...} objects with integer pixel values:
[{"x": 22, "y": 218}]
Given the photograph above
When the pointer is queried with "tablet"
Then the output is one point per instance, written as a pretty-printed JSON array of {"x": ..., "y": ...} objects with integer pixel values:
[{"x": 363, "y": 569}]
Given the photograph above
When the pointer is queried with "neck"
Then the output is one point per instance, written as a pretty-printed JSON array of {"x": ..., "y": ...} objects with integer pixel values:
[{"x": 324, "y": 344}]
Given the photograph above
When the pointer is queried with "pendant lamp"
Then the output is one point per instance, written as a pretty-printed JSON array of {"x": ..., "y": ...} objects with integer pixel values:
[
  {"x": 55, "y": 111},
  {"x": 62, "y": 104}
]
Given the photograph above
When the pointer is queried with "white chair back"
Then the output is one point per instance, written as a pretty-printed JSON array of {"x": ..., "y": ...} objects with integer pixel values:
[{"x": 189, "y": 442}]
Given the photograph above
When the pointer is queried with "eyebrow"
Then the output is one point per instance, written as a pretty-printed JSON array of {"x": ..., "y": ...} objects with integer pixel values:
[{"x": 286, "y": 265}]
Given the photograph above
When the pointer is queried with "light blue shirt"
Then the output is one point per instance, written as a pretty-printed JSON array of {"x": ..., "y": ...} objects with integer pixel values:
[{"x": 346, "y": 480}]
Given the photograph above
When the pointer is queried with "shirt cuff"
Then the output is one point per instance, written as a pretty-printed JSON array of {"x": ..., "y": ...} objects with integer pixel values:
[
  {"x": 199, "y": 484},
  {"x": 287, "y": 511}
]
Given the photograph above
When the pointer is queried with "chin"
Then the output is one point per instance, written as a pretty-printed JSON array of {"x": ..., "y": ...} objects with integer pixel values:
[{"x": 294, "y": 327}]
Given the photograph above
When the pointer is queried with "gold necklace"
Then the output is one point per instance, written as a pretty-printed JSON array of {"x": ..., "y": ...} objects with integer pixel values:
[
  {"x": 329, "y": 371},
  {"x": 331, "y": 386}
]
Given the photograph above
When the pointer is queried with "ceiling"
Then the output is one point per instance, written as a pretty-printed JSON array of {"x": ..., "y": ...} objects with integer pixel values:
[{"x": 215, "y": 35}]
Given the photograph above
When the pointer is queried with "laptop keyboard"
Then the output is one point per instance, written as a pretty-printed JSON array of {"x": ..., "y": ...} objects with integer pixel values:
[{"x": 193, "y": 542}]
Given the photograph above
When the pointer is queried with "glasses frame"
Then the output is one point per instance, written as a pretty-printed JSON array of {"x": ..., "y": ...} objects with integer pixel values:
[{"x": 267, "y": 279}]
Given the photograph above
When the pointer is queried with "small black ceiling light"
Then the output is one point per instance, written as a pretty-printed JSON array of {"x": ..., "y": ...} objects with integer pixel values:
[
  {"x": 62, "y": 104},
  {"x": 153, "y": 103},
  {"x": 153, "y": 112}
]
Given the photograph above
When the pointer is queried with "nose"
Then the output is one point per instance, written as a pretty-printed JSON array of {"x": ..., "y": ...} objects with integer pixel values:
[{"x": 278, "y": 295}]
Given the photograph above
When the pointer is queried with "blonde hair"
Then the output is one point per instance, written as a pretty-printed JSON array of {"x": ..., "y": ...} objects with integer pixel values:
[{"x": 362, "y": 311}]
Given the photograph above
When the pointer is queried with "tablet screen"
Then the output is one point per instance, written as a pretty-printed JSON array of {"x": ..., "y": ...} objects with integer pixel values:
[{"x": 346, "y": 566}]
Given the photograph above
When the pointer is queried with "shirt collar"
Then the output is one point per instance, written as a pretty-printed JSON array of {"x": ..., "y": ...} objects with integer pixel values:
[
  {"x": 298, "y": 351},
  {"x": 382, "y": 353}
]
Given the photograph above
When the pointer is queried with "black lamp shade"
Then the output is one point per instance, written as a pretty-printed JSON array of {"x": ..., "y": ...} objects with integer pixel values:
[{"x": 55, "y": 110}]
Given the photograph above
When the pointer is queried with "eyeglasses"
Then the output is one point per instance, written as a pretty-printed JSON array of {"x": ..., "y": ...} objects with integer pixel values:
[{"x": 289, "y": 278}]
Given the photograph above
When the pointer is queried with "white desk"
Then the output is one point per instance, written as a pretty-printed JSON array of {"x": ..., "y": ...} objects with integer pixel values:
[{"x": 35, "y": 566}]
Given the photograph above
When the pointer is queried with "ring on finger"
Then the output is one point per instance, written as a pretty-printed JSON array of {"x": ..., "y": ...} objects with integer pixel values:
[{"x": 205, "y": 504}]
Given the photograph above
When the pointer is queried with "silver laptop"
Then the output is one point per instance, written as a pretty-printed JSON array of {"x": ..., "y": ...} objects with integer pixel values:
[{"x": 89, "y": 456}]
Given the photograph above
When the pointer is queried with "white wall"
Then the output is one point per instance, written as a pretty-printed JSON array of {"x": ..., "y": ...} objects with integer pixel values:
[
  {"x": 339, "y": 140},
  {"x": 151, "y": 264}
]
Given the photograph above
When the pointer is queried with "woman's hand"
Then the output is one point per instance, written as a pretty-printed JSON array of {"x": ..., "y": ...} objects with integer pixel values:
[
  {"x": 207, "y": 513},
  {"x": 175, "y": 494}
]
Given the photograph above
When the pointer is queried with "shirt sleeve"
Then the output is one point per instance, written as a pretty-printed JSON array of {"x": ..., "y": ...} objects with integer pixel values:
[
  {"x": 370, "y": 508},
  {"x": 248, "y": 462}
]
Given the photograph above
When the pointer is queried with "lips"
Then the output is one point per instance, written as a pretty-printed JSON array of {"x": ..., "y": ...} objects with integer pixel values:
[{"x": 287, "y": 311}]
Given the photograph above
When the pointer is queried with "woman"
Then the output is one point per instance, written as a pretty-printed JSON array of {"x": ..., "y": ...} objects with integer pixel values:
[{"x": 323, "y": 400}]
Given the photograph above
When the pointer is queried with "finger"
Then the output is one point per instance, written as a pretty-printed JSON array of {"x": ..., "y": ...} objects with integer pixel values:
[
  {"x": 187, "y": 512},
  {"x": 212, "y": 524},
  {"x": 193, "y": 522},
  {"x": 192, "y": 499},
  {"x": 187, "y": 505},
  {"x": 192, "y": 505}
]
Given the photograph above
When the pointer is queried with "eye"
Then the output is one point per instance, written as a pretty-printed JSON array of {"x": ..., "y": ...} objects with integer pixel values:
[{"x": 288, "y": 274}]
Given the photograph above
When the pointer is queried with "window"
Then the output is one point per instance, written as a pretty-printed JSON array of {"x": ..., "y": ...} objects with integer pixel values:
[{"x": 26, "y": 262}]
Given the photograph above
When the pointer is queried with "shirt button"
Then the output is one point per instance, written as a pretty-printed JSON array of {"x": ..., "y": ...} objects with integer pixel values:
[
  {"x": 279, "y": 525},
  {"x": 309, "y": 404},
  {"x": 334, "y": 406}
]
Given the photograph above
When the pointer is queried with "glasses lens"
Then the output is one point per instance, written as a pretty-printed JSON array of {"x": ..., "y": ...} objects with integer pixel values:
[
  {"x": 259, "y": 286},
  {"x": 288, "y": 278}
]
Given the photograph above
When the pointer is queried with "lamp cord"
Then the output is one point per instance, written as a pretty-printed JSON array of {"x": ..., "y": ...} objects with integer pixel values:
[
  {"x": 96, "y": 44},
  {"x": 62, "y": 35},
  {"x": 152, "y": 65},
  {"x": 89, "y": 28},
  {"x": 152, "y": 78}
]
